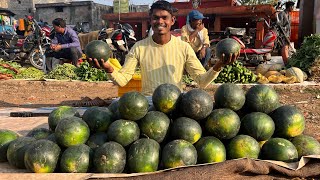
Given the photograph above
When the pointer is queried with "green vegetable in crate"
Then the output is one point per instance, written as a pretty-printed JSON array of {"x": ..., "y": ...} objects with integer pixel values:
[
  {"x": 165, "y": 97},
  {"x": 210, "y": 149},
  {"x": 230, "y": 96},
  {"x": 143, "y": 156},
  {"x": 39, "y": 133},
  {"x": 155, "y": 125},
  {"x": 30, "y": 73},
  {"x": 63, "y": 72},
  {"x": 178, "y": 153},
  {"x": 133, "y": 106},
  {"x": 196, "y": 104},
  {"x": 227, "y": 46},
  {"x": 42, "y": 156},
  {"x": 109, "y": 158},
  {"x": 6, "y": 136},
  {"x": 306, "y": 145},
  {"x": 72, "y": 131},
  {"x": 98, "y": 49},
  {"x": 187, "y": 129},
  {"x": 60, "y": 113},
  {"x": 16, "y": 151},
  {"x": 235, "y": 73},
  {"x": 87, "y": 73},
  {"x": 76, "y": 159},
  {"x": 262, "y": 98},
  {"x": 289, "y": 121},
  {"x": 279, "y": 149},
  {"x": 258, "y": 125},
  {"x": 243, "y": 146}
]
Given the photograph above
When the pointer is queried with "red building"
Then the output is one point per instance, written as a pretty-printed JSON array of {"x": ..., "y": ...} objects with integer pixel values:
[{"x": 220, "y": 14}]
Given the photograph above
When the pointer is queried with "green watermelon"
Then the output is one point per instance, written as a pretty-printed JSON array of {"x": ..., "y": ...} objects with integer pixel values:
[
  {"x": 289, "y": 121},
  {"x": 113, "y": 107},
  {"x": 165, "y": 97},
  {"x": 60, "y": 113},
  {"x": 155, "y": 125},
  {"x": 230, "y": 96},
  {"x": 258, "y": 125},
  {"x": 6, "y": 136},
  {"x": 17, "y": 149},
  {"x": 76, "y": 159},
  {"x": 39, "y": 133},
  {"x": 98, "y": 49},
  {"x": 123, "y": 131},
  {"x": 227, "y": 46},
  {"x": 42, "y": 156},
  {"x": 72, "y": 131},
  {"x": 306, "y": 145},
  {"x": 210, "y": 149},
  {"x": 97, "y": 139},
  {"x": 133, "y": 106},
  {"x": 223, "y": 123},
  {"x": 109, "y": 158},
  {"x": 262, "y": 98},
  {"x": 187, "y": 129},
  {"x": 196, "y": 104},
  {"x": 98, "y": 118},
  {"x": 143, "y": 156},
  {"x": 279, "y": 149},
  {"x": 178, "y": 153},
  {"x": 243, "y": 146}
]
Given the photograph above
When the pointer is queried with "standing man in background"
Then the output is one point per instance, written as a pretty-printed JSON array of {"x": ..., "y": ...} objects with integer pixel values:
[
  {"x": 285, "y": 22},
  {"x": 197, "y": 36}
]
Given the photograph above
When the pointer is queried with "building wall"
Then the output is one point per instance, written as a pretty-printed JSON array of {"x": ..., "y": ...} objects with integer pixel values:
[
  {"x": 20, "y": 7},
  {"x": 74, "y": 12},
  {"x": 4, "y": 4}
]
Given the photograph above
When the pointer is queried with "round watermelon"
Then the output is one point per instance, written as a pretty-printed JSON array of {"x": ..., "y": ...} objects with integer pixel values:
[
  {"x": 133, "y": 106},
  {"x": 39, "y": 133},
  {"x": 229, "y": 95},
  {"x": 97, "y": 139},
  {"x": 227, "y": 46},
  {"x": 262, "y": 98},
  {"x": 306, "y": 145},
  {"x": 223, "y": 123},
  {"x": 17, "y": 149},
  {"x": 196, "y": 104},
  {"x": 289, "y": 121},
  {"x": 165, "y": 97},
  {"x": 258, "y": 125},
  {"x": 98, "y": 118},
  {"x": 124, "y": 132},
  {"x": 76, "y": 159},
  {"x": 210, "y": 149},
  {"x": 243, "y": 146},
  {"x": 60, "y": 113},
  {"x": 6, "y": 136},
  {"x": 279, "y": 149},
  {"x": 187, "y": 129},
  {"x": 98, "y": 49}
]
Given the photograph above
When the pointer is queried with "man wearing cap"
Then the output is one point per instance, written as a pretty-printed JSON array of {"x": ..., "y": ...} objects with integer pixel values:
[{"x": 197, "y": 36}]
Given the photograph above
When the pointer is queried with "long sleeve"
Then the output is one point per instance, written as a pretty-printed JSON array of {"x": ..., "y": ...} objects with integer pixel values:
[{"x": 75, "y": 40}]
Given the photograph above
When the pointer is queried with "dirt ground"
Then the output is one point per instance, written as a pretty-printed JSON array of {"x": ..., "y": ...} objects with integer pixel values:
[{"x": 34, "y": 94}]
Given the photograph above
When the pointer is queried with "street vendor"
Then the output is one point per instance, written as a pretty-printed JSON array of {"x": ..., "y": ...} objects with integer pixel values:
[
  {"x": 197, "y": 36},
  {"x": 285, "y": 22},
  {"x": 162, "y": 57},
  {"x": 65, "y": 43}
]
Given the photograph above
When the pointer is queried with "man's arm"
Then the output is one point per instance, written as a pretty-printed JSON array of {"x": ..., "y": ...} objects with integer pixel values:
[{"x": 75, "y": 40}]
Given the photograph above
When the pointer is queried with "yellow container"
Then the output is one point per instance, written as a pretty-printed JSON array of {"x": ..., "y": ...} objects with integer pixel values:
[{"x": 133, "y": 85}]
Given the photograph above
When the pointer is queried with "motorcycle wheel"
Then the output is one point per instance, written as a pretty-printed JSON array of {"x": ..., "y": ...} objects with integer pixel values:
[{"x": 36, "y": 58}]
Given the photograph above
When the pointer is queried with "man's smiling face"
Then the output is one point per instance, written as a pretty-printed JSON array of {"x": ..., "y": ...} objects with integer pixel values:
[{"x": 161, "y": 21}]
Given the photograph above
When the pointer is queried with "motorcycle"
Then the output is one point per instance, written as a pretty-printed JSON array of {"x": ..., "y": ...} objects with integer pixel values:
[
  {"x": 30, "y": 48},
  {"x": 120, "y": 40}
]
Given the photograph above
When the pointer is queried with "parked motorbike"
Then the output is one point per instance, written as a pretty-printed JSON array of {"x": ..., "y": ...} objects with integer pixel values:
[
  {"x": 120, "y": 40},
  {"x": 30, "y": 48}
]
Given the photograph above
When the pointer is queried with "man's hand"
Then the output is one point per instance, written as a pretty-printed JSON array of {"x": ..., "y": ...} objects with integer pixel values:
[
  {"x": 225, "y": 60},
  {"x": 57, "y": 48},
  {"x": 101, "y": 64},
  {"x": 202, "y": 53}
]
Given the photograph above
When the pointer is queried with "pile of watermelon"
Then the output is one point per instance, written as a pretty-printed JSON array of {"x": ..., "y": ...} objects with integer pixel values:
[{"x": 133, "y": 135}]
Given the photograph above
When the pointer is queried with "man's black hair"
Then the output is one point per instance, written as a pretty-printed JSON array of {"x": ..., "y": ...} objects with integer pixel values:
[
  {"x": 289, "y": 4},
  {"x": 163, "y": 5},
  {"x": 59, "y": 22}
]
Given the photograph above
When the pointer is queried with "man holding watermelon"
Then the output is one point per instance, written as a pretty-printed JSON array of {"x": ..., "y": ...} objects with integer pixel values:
[{"x": 163, "y": 58}]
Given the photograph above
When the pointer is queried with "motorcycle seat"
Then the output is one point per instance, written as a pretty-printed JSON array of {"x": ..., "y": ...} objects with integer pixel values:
[
  {"x": 6, "y": 36},
  {"x": 255, "y": 51}
]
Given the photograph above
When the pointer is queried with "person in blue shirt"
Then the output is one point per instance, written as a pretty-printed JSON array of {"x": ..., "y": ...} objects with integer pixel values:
[{"x": 65, "y": 43}]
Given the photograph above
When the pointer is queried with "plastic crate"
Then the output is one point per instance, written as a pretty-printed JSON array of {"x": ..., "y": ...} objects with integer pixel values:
[{"x": 133, "y": 85}]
